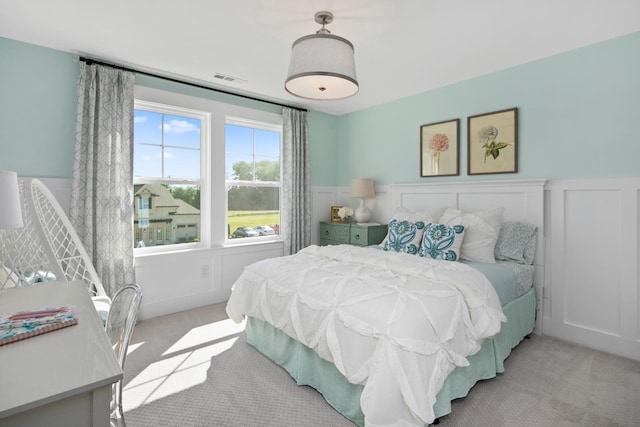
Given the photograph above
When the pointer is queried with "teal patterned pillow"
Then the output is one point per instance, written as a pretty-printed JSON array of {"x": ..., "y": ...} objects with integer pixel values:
[
  {"x": 403, "y": 236},
  {"x": 441, "y": 241}
]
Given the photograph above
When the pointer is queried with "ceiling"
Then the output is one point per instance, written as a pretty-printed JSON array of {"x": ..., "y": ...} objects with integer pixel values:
[{"x": 402, "y": 47}]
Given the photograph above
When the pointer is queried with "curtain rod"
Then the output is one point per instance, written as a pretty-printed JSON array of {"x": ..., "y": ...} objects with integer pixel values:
[{"x": 171, "y": 79}]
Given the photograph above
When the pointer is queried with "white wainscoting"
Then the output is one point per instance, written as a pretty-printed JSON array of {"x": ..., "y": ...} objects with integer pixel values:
[
  {"x": 322, "y": 198},
  {"x": 181, "y": 280},
  {"x": 523, "y": 200},
  {"x": 173, "y": 282},
  {"x": 587, "y": 268},
  {"x": 592, "y": 253},
  {"x": 591, "y": 279}
]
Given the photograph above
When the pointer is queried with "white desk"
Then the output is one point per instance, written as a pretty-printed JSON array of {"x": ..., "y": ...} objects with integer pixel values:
[{"x": 61, "y": 378}]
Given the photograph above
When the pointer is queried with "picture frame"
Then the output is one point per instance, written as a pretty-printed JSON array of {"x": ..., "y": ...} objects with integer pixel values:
[
  {"x": 334, "y": 214},
  {"x": 492, "y": 142},
  {"x": 439, "y": 148}
]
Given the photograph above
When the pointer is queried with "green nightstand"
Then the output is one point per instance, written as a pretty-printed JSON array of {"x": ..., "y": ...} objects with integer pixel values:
[{"x": 340, "y": 233}]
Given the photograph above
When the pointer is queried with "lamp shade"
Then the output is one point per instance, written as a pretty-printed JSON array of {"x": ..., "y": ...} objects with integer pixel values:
[
  {"x": 10, "y": 212},
  {"x": 363, "y": 188},
  {"x": 322, "y": 67}
]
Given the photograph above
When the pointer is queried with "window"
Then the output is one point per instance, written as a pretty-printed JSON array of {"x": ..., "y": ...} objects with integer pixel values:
[
  {"x": 168, "y": 174},
  {"x": 144, "y": 203},
  {"x": 252, "y": 172}
]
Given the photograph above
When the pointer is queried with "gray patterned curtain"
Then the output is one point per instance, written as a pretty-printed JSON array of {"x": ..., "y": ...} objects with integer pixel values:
[
  {"x": 296, "y": 198},
  {"x": 102, "y": 193}
]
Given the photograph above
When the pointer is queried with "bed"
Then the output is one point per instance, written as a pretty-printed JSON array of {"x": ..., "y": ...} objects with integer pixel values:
[{"x": 409, "y": 333}]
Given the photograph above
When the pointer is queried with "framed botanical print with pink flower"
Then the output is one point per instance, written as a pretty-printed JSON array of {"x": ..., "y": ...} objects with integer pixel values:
[
  {"x": 439, "y": 147},
  {"x": 492, "y": 140}
]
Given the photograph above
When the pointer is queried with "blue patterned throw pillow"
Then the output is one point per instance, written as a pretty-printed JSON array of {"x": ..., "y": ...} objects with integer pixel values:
[
  {"x": 516, "y": 242},
  {"x": 403, "y": 236},
  {"x": 441, "y": 241}
]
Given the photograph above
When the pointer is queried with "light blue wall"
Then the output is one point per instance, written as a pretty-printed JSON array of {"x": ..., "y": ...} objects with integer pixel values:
[
  {"x": 578, "y": 117},
  {"x": 37, "y": 110},
  {"x": 579, "y": 114},
  {"x": 324, "y": 148},
  {"x": 38, "y": 114}
]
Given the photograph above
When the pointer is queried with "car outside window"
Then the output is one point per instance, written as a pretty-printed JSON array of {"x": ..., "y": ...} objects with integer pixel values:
[{"x": 252, "y": 171}]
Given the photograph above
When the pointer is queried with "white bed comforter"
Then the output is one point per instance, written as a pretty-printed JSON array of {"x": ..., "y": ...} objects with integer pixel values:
[{"x": 397, "y": 324}]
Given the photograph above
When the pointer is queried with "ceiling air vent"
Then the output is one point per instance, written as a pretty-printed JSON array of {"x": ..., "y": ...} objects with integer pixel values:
[{"x": 227, "y": 78}]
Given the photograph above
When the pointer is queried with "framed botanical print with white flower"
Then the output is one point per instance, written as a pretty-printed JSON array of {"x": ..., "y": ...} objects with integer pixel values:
[
  {"x": 492, "y": 140},
  {"x": 439, "y": 146}
]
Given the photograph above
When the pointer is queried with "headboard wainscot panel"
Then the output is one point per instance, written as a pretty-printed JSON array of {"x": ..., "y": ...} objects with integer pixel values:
[{"x": 523, "y": 201}]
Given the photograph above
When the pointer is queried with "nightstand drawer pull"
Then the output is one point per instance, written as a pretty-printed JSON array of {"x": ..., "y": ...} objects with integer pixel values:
[{"x": 357, "y": 236}]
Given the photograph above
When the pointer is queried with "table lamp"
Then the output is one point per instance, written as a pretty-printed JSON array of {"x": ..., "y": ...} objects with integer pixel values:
[
  {"x": 362, "y": 188},
  {"x": 10, "y": 212}
]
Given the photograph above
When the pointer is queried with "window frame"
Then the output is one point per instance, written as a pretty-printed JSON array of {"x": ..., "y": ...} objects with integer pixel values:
[
  {"x": 204, "y": 182},
  {"x": 254, "y": 124}
]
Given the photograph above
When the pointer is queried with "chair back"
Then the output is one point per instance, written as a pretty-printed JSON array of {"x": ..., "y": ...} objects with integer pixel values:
[
  {"x": 47, "y": 247},
  {"x": 121, "y": 320}
]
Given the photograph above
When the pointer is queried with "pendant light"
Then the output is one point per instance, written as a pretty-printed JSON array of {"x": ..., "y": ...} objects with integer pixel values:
[{"x": 322, "y": 66}]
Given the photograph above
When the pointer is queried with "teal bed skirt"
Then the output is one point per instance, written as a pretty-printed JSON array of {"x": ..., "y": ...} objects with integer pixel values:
[{"x": 306, "y": 367}]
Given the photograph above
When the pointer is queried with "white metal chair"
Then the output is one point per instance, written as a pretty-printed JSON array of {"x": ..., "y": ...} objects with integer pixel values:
[
  {"x": 119, "y": 327},
  {"x": 47, "y": 247}
]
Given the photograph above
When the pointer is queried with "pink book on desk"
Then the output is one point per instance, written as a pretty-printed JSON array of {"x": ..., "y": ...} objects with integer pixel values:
[{"x": 26, "y": 324}]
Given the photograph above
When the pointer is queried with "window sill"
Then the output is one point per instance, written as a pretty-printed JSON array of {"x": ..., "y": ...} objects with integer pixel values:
[
  {"x": 244, "y": 241},
  {"x": 200, "y": 249}
]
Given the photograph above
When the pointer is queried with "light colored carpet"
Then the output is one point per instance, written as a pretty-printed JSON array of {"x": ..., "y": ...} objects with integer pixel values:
[{"x": 196, "y": 369}]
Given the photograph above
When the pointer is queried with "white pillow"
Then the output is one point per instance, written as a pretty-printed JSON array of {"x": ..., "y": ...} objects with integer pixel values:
[
  {"x": 426, "y": 216},
  {"x": 481, "y": 232}
]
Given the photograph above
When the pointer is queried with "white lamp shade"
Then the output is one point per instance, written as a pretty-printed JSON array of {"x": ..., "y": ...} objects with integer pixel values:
[
  {"x": 322, "y": 67},
  {"x": 363, "y": 188},
  {"x": 10, "y": 212}
]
